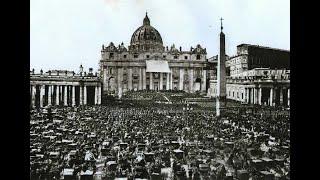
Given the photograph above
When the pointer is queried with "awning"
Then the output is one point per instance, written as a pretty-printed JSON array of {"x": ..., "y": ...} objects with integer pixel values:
[{"x": 157, "y": 66}]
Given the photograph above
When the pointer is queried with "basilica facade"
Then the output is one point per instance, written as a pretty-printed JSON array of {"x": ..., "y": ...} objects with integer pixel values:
[{"x": 146, "y": 64}]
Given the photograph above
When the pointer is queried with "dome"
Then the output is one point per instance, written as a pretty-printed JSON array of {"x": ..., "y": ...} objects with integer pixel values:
[{"x": 146, "y": 37}]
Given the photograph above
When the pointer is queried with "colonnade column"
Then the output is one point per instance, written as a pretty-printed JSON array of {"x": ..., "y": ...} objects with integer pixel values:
[
  {"x": 288, "y": 96},
  {"x": 191, "y": 80},
  {"x": 85, "y": 95},
  {"x": 49, "y": 95},
  {"x": 168, "y": 81},
  {"x": 271, "y": 97},
  {"x": 96, "y": 95},
  {"x": 251, "y": 95},
  {"x": 260, "y": 96},
  {"x": 161, "y": 81},
  {"x": 181, "y": 79},
  {"x": 281, "y": 96},
  {"x": 65, "y": 101},
  {"x": 130, "y": 78},
  {"x": 57, "y": 95},
  {"x": 99, "y": 94},
  {"x": 33, "y": 95},
  {"x": 246, "y": 95},
  {"x": 42, "y": 93},
  {"x": 255, "y": 95},
  {"x": 151, "y": 80},
  {"x": 73, "y": 95},
  {"x": 81, "y": 95},
  {"x": 144, "y": 78},
  {"x": 140, "y": 79}
]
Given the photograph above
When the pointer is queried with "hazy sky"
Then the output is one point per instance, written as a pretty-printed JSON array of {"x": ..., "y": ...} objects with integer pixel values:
[{"x": 67, "y": 33}]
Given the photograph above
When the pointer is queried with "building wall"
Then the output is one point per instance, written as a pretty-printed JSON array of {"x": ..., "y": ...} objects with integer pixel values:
[
  {"x": 125, "y": 70},
  {"x": 251, "y": 56}
]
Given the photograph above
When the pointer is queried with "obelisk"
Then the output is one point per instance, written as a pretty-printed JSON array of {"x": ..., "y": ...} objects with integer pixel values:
[{"x": 221, "y": 76}]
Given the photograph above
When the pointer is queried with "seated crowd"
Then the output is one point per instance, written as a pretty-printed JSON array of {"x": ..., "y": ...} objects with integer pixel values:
[{"x": 164, "y": 141}]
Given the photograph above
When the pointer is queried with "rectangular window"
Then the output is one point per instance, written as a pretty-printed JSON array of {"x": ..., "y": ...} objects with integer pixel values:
[
  {"x": 198, "y": 56},
  {"x": 185, "y": 57},
  {"x": 125, "y": 56},
  {"x": 164, "y": 56},
  {"x": 148, "y": 56},
  {"x": 175, "y": 57},
  {"x": 135, "y": 55},
  {"x": 111, "y": 55}
]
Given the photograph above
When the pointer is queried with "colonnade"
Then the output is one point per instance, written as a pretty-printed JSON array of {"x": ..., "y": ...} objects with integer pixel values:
[
  {"x": 272, "y": 96},
  {"x": 66, "y": 95}
]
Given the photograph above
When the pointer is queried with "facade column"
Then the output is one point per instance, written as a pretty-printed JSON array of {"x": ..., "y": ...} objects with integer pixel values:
[
  {"x": 281, "y": 96},
  {"x": 105, "y": 79},
  {"x": 271, "y": 97},
  {"x": 81, "y": 95},
  {"x": 42, "y": 94},
  {"x": 119, "y": 79},
  {"x": 130, "y": 78},
  {"x": 73, "y": 95},
  {"x": 49, "y": 94},
  {"x": 65, "y": 101},
  {"x": 260, "y": 96},
  {"x": 99, "y": 95},
  {"x": 85, "y": 95},
  {"x": 289, "y": 97},
  {"x": 140, "y": 79},
  {"x": 181, "y": 79},
  {"x": 144, "y": 78},
  {"x": 161, "y": 81},
  {"x": 204, "y": 81},
  {"x": 191, "y": 80},
  {"x": 33, "y": 95},
  {"x": 57, "y": 95},
  {"x": 168, "y": 81},
  {"x": 151, "y": 80}
]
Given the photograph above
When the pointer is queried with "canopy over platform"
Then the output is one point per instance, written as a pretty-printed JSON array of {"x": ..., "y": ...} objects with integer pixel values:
[{"x": 157, "y": 66}]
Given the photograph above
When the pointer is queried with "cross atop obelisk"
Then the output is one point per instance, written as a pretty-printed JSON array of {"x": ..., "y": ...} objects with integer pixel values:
[{"x": 221, "y": 24}]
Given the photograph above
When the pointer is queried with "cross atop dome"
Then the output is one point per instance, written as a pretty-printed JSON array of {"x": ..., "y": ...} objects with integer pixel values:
[{"x": 146, "y": 20}]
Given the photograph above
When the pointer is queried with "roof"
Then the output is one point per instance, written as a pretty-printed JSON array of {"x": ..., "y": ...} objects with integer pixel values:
[
  {"x": 263, "y": 47},
  {"x": 157, "y": 66}
]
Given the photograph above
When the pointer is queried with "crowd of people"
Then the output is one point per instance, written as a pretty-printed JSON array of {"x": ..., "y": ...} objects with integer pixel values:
[{"x": 133, "y": 140}]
